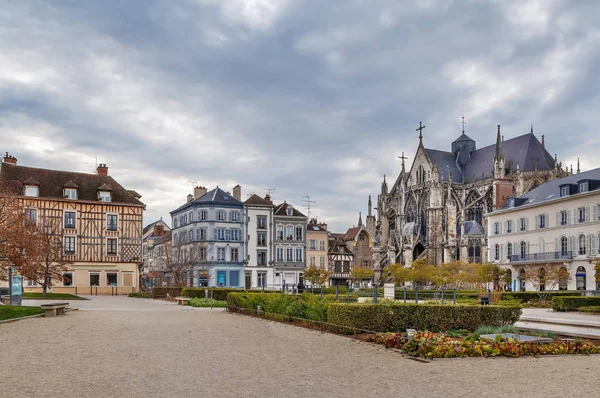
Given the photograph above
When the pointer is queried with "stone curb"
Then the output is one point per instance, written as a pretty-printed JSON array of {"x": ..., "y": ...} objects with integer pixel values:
[
  {"x": 559, "y": 321},
  {"x": 23, "y": 317}
]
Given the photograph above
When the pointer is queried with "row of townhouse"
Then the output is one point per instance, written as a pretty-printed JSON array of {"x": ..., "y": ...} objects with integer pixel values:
[
  {"x": 554, "y": 225},
  {"x": 249, "y": 244},
  {"x": 98, "y": 221}
]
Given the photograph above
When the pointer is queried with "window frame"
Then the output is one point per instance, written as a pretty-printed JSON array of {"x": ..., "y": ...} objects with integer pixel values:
[
  {"x": 565, "y": 191},
  {"x": 584, "y": 187},
  {"x": 103, "y": 195},
  {"x": 106, "y": 274},
  {"x": 32, "y": 189},
  {"x": 68, "y": 191},
  {"x": 109, "y": 246},
  {"x": 29, "y": 212},
  {"x": 70, "y": 226},
  {"x": 116, "y": 223},
  {"x": 72, "y": 278},
  {"x": 69, "y": 237}
]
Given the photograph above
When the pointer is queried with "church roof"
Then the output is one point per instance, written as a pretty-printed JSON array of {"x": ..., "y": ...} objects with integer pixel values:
[
  {"x": 525, "y": 150},
  {"x": 472, "y": 228},
  {"x": 446, "y": 162},
  {"x": 463, "y": 137}
]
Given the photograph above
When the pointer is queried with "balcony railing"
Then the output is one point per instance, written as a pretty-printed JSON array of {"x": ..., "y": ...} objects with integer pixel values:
[
  {"x": 340, "y": 275},
  {"x": 541, "y": 256}
]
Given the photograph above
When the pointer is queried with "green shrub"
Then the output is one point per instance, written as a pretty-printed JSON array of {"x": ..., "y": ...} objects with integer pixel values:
[
  {"x": 434, "y": 317},
  {"x": 218, "y": 293},
  {"x": 525, "y": 297},
  {"x": 589, "y": 308},
  {"x": 203, "y": 303},
  {"x": 572, "y": 303},
  {"x": 139, "y": 295},
  {"x": 484, "y": 329},
  {"x": 306, "y": 306},
  {"x": 161, "y": 292}
]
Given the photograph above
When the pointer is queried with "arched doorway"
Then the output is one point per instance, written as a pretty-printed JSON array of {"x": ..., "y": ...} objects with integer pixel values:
[
  {"x": 563, "y": 280},
  {"x": 522, "y": 280},
  {"x": 580, "y": 278},
  {"x": 418, "y": 250}
]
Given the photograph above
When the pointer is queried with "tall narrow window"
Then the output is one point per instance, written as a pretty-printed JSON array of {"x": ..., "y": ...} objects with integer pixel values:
[
  {"x": 111, "y": 222},
  {"x": 582, "y": 245},
  {"x": 523, "y": 250},
  {"x": 279, "y": 253},
  {"x": 497, "y": 252},
  {"x": 581, "y": 211},
  {"x": 261, "y": 222},
  {"x": 280, "y": 232},
  {"x": 111, "y": 246},
  {"x": 509, "y": 250},
  {"x": 299, "y": 233},
  {"x": 289, "y": 255},
  {"x": 70, "y": 219},
  {"x": 31, "y": 216},
  {"x": 299, "y": 254},
  {"x": 563, "y": 217},
  {"x": 234, "y": 255},
  {"x": 289, "y": 232},
  {"x": 69, "y": 245}
]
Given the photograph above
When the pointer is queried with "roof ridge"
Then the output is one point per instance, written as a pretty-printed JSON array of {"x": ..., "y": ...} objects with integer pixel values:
[{"x": 60, "y": 171}]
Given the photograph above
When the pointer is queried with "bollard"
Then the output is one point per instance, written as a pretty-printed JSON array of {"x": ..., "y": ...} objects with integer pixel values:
[
  {"x": 321, "y": 292},
  {"x": 454, "y": 296},
  {"x": 348, "y": 294},
  {"x": 206, "y": 295},
  {"x": 404, "y": 294},
  {"x": 417, "y": 295},
  {"x": 211, "y": 300},
  {"x": 442, "y": 295},
  {"x": 282, "y": 289},
  {"x": 374, "y": 294},
  {"x": 489, "y": 297},
  {"x": 337, "y": 292}
]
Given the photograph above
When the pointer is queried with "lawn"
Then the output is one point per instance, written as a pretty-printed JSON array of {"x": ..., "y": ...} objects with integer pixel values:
[
  {"x": 12, "y": 312},
  {"x": 51, "y": 296}
]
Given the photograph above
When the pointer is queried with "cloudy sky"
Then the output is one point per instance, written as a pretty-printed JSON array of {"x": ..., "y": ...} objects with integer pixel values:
[{"x": 309, "y": 97}]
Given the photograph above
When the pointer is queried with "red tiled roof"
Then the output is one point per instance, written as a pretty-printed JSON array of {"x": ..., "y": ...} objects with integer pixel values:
[{"x": 257, "y": 200}]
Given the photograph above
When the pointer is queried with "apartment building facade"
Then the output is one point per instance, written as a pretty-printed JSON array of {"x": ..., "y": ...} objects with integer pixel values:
[
  {"x": 210, "y": 228},
  {"x": 98, "y": 220},
  {"x": 290, "y": 245},
  {"x": 554, "y": 225},
  {"x": 317, "y": 245},
  {"x": 259, "y": 242}
]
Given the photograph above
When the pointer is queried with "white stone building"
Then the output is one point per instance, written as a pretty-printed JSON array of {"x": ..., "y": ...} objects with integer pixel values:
[
  {"x": 290, "y": 245},
  {"x": 258, "y": 267},
  {"x": 554, "y": 225}
]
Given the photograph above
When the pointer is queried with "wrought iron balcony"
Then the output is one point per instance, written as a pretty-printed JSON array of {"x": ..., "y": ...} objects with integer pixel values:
[{"x": 548, "y": 256}]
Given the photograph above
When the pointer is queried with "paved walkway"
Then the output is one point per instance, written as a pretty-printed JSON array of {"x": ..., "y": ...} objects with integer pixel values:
[
  {"x": 117, "y": 347},
  {"x": 563, "y": 323}
]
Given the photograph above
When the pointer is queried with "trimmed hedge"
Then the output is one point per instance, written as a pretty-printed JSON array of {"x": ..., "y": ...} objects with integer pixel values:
[
  {"x": 525, "y": 297},
  {"x": 306, "y": 306},
  {"x": 218, "y": 293},
  {"x": 572, "y": 303},
  {"x": 590, "y": 308},
  {"x": 395, "y": 317},
  {"x": 161, "y": 292}
]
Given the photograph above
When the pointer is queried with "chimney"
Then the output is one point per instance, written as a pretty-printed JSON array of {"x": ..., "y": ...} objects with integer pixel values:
[
  {"x": 190, "y": 197},
  {"x": 102, "y": 169},
  {"x": 268, "y": 197},
  {"x": 10, "y": 159},
  {"x": 159, "y": 229},
  {"x": 237, "y": 192},
  {"x": 543, "y": 143},
  {"x": 199, "y": 192}
]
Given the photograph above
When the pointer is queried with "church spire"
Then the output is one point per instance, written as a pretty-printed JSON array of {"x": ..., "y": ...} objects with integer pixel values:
[
  {"x": 532, "y": 128},
  {"x": 370, "y": 206},
  {"x": 360, "y": 224},
  {"x": 420, "y": 130},
  {"x": 578, "y": 170},
  {"x": 498, "y": 145},
  {"x": 384, "y": 187}
]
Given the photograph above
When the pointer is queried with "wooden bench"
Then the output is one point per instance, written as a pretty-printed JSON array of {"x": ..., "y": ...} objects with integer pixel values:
[
  {"x": 182, "y": 300},
  {"x": 54, "y": 309}
]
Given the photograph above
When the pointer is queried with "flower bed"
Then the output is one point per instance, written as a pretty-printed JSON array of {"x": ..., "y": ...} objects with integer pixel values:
[{"x": 435, "y": 345}]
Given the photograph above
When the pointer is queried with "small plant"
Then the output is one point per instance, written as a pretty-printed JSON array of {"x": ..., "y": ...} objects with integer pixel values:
[
  {"x": 508, "y": 329},
  {"x": 204, "y": 303},
  {"x": 139, "y": 295},
  {"x": 457, "y": 333},
  {"x": 484, "y": 329}
]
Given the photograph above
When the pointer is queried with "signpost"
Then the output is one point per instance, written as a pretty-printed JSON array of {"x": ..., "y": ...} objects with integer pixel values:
[{"x": 16, "y": 287}]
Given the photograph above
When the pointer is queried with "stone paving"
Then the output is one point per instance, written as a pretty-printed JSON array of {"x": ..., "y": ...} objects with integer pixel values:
[{"x": 121, "y": 347}]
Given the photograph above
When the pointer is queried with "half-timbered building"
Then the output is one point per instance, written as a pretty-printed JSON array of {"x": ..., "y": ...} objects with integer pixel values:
[{"x": 100, "y": 223}]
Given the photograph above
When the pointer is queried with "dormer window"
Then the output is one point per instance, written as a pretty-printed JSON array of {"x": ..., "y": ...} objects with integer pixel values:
[
  {"x": 565, "y": 191},
  {"x": 71, "y": 193},
  {"x": 511, "y": 203},
  {"x": 289, "y": 211},
  {"x": 32, "y": 191},
  {"x": 584, "y": 187},
  {"x": 104, "y": 196}
]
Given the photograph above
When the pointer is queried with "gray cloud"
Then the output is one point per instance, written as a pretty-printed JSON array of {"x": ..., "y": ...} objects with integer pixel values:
[{"x": 304, "y": 96}]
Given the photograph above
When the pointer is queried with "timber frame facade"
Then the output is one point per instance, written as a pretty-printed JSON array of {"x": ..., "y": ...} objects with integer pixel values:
[{"x": 99, "y": 221}]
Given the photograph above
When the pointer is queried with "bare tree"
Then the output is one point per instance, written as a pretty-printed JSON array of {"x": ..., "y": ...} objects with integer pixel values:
[
  {"x": 47, "y": 263},
  {"x": 179, "y": 261},
  {"x": 545, "y": 279}
]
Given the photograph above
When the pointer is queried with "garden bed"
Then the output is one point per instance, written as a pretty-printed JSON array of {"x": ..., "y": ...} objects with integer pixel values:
[
  {"x": 15, "y": 312},
  {"x": 444, "y": 345},
  {"x": 51, "y": 296}
]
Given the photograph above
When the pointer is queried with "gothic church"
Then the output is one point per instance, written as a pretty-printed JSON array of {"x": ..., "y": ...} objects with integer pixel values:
[{"x": 436, "y": 209}]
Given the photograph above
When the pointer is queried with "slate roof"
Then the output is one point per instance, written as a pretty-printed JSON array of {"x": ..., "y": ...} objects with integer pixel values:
[
  {"x": 525, "y": 150},
  {"x": 257, "y": 201},
  {"x": 52, "y": 182},
  {"x": 550, "y": 190},
  {"x": 472, "y": 228},
  {"x": 152, "y": 224},
  {"x": 216, "y": 197},
  {"x": 446, "y": 162},
  {"x": 281, "y": 211}
]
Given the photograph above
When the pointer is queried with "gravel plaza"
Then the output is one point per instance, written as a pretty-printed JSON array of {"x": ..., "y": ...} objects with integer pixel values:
[{"x": 119, "y": 347}]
